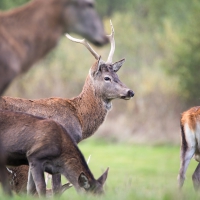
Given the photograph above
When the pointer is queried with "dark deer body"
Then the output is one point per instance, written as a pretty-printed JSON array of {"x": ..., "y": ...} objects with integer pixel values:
[
  {"x": 45, "y": 146},
  {"x": 29, "y": 32},
  {"x": 81, "y": 116}
]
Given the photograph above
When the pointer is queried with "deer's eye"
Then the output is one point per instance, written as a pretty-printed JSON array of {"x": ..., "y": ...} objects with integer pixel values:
[{"x": 107, "y": 78}]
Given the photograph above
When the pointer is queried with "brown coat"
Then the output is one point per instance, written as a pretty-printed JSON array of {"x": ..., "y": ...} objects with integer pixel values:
[
  {"x": 45, "y": 146},
  {"x": 29, "y": 32}
]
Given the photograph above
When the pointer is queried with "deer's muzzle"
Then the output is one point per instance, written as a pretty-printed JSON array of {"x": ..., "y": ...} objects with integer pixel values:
[{"x": 129, "y": 95}]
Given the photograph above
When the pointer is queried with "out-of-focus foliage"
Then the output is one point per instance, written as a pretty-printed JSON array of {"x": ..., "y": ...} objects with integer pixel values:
[
  {"x": 156, "y": 37},
  {"x": 186, "y": 61},
  {"x": 7, "y": 4}
]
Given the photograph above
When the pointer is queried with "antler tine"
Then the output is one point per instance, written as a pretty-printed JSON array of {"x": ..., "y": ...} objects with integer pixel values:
[
  {"x": 112, "y": 42},
  {"x": 84, "y": 42}
]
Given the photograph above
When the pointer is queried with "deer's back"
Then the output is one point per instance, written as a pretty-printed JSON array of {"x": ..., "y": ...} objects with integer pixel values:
[
  {"x": 191, "y": 117},
  {"x": 60, "y": 110}
]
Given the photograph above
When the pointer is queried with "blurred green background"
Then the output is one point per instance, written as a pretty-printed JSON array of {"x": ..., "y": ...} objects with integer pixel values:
[{"x": 160, "y": 41}]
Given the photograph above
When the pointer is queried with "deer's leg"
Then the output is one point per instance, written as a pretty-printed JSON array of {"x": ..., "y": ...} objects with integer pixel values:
[
  {"x": 3, "y": 173},
  {"x": 188, "y": 148},
  {"x": 4, "y": 179},
  {"x": 196, "y": 178},
  {"x": 31, "y": 188},
  {"x": 186, "y": 156},
  {"x": 56, "y": 184},
  {"x": 38, "y": 177}
]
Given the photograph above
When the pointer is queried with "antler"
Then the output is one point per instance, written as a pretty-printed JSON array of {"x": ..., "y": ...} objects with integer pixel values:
[
  {"x": 84, "y": 42},
  {"x": 112, "y": 42}
]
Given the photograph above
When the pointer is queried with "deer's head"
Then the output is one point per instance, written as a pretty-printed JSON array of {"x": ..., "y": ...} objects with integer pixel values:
[
  {"x": 104, "y": 76},
  {"x": 81, "y": 17},
  {"x": 95, "y": 186}
]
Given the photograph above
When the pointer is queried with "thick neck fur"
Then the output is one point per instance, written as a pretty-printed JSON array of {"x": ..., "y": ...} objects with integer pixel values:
[
  {"x": 38, "y": 22},
  {"x": 92, "y": 110}
]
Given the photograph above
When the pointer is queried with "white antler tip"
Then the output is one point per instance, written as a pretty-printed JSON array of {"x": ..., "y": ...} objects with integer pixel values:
[
  {"x": 112, "y": 26},
  {"x": 67, "y": 35}
]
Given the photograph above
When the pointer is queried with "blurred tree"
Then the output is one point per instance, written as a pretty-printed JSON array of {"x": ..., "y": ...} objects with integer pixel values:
[
  {"x": 187, "y": 56},
  {"x": 108, "y": 7},
  {"x": 5, "y": 4}
]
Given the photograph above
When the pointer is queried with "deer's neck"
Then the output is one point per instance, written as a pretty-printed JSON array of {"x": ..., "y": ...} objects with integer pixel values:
[
  {"x": 73, "y": 162},
  {"x": 45, "y": 28},
  {"x": 92, "y": 109}
]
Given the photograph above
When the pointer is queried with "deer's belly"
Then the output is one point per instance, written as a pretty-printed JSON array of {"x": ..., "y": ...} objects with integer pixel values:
[{"x": 16, "y": 159}]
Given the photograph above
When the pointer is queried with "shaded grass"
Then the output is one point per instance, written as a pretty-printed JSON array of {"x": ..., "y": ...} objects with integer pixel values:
[{"x": 136, "y": 172}]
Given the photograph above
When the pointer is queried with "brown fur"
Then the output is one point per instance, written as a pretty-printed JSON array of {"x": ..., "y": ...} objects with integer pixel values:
[
  {"x": 190, "y": 117},
  {"x": 29, "y": 32},
  {"x": 18, "y": 178},
  {"x": 45, "y": 146},
  {"x": 3, "y": 173},
  {"x": 81, "y": 116},
  {"x": 190, "y": 140}
]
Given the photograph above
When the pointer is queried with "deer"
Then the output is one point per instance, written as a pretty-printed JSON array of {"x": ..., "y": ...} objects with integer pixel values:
[
  {"x": 23, "y": 41},
  {"x": 45, "y": 146},
  {"x": 82, "y": 115},
  {"x": 21, "y": 47},
  {"x": 22, "y": 29},
  {"x": 190, "y": 145}
]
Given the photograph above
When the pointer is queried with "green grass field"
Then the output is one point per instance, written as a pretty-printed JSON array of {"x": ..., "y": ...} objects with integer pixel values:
[{"x": 136, "y": 172}]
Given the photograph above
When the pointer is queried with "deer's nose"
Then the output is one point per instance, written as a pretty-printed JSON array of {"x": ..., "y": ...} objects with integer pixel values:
[{"x": 130, "y": 93}]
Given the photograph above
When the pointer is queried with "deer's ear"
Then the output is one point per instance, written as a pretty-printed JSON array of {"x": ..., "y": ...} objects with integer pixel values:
[
  {"x": 83, "y": 181},
  {"x": 117, "y": 65},
  {"x": 103, "y": 177},
  {"x": 96, "y": 67}
]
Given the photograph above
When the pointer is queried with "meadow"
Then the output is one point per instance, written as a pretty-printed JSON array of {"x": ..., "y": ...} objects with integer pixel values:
[
  {"x": 160, "y": 41},
  {"x": 136, "y": 172}
]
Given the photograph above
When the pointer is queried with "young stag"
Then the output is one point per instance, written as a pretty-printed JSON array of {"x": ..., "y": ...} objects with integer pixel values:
[
  {"x": 29, "y": 32},
  {"x": 81, "y": 116},
  {"x": 190, "y": 144},
  {"x": 46, "y": 147}
]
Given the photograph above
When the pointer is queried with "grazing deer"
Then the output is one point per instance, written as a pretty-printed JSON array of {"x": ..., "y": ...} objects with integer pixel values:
[
  {"x": 29, "y": 32},
  {"x": 45, "y": 146},
  {"x": 81, "y": 116},
  {"x": 190, "y": 144}
]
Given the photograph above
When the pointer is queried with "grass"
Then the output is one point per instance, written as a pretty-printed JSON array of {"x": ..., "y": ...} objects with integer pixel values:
[{"x": 136, "y": 172}]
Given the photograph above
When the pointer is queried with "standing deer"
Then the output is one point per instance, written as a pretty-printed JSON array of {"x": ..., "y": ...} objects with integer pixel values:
[
  {"x": 81, "y": 116},
  {"x": 190, "y": 144},
  {"x": 29, "y": 32},
  {"x": 45, "y": 145}
]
